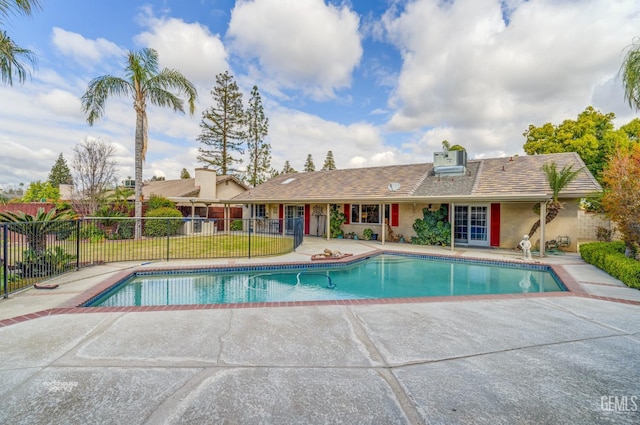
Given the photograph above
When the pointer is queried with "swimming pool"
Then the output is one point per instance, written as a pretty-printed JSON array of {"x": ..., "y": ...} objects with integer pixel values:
[{"x": 380, "y": 276}]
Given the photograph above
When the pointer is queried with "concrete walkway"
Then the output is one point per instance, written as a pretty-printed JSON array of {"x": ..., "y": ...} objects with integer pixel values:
[{"x": 569, "y": 359}]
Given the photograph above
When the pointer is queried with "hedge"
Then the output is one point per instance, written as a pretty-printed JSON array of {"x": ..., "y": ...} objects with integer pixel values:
[
  {"x": 162, "y": 227},
  {"x": 609, "y": 256}
]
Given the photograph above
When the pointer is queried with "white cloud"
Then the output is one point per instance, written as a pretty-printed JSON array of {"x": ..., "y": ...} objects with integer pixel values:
[
  {"x": 82, "y": 50},
  {"x": 188, "y": 47},
  {"x": 303, "y": 44},
  {"x": 295, "y": 135},
  {"x": 465, "y": 69}
]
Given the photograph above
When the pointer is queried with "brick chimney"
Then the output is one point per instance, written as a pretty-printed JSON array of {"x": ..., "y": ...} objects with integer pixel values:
[{"x": 206, "y": 181}]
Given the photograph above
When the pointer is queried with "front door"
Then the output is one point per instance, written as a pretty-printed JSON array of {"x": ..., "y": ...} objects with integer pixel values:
[
  {"x": 291, "y": 212},
  {"x": 471, "y": 225}
]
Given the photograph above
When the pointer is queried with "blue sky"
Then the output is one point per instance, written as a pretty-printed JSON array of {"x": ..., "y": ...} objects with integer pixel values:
[{"x": 377, "y": 82}]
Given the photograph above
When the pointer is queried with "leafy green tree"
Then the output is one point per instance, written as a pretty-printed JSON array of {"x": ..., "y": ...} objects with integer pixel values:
[
  {"x": 12, "y": 55},
  {"x": 259, "y": 150},
  {"x": 145, "y": 84},
  {"x": 329, "y": 163},
  {"x": 309, "y": 165},
  {"x": 558, "y": 180},
  {"x": 446, "y": 146},
  {"x": 591, "y": 135},
  {"x": 38, "y": 190},
  {"x": 287, "y": 168},
  {"x": 223, "y": 126},
  {"x": 621, "y": 200},
  {"x": 60, "y": 173},
  {"x": 630, "y": 74},
  {"x": 184, "y": 174},
  {"x": 158, "y": 178}
]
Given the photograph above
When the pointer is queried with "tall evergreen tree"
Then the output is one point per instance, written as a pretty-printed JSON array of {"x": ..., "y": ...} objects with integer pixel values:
[
  {"x": 184, "y": 174},
  {"x": 309, "y": 165},
  {"x": 259, "y": 150},
  {"x": 223, "y": 126},
  {"x": 287, "y": 168},
  {"x": 60, "y": 173},
  {"x": 329, "y": 163}
]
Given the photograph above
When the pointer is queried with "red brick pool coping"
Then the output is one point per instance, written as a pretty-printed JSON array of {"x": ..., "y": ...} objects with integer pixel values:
[{"x": 73, "y": 305}]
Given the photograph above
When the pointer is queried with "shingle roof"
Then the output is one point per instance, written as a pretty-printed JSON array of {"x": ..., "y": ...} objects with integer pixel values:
[
  {"x": 180, "y": 187},
  {"x": 516, "y": 177},
  {"x": 352, "y": 183}
]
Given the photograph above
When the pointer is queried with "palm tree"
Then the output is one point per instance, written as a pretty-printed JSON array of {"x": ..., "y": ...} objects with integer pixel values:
[
  {"x": 145, "y": 84},
  {"x": 36, "y": 227},
  {"x": 630, "y": 73},
  {"x": 10, "y": 52},
  {"x": 558, "y": 180}
]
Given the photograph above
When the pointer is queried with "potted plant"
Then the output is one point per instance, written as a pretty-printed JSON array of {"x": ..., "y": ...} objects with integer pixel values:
[
  {"x": 367, "y": 234},
  {"x": 400, "y": 238}
]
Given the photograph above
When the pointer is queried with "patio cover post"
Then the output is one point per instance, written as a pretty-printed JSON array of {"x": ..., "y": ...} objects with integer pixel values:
[
  {"x": 543, "y": 219},
  {"x": 452, "y": 222},
  {"x": 384, "y": 223},
  {"x": 327, "y": 222}
]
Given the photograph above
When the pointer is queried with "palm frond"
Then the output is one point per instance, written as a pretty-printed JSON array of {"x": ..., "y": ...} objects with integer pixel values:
[
  {"x": 630, "y": 75},
  {"x": 99, "y": 90},
  {"x": 558, "y": 180},
  {"x": 10, "y": 56}
]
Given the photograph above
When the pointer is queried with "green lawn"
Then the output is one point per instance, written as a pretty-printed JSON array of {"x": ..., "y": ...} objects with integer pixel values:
[{"x": 234, "y": 245}]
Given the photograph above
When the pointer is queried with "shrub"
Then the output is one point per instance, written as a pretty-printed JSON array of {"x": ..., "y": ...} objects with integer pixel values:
[
  {"x": 156, "y": 202},
  {"x": 236, "y": 225},
  {"x": 434, "y": 229},
  {"x": 609, "y": 256},
  {"x": 167, "y": 227},
  {"x": 366, "y": 234},
  {"x": 91, "y": 232}
]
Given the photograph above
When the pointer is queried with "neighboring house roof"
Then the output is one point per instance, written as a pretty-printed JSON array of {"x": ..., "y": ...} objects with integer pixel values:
[
  {"x": 182, "y": 188},
  {"x": 515, "y": 178}
]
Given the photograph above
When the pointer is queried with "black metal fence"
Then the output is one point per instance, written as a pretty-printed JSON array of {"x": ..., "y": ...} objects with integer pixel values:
[{"x": 35, "y": 251}]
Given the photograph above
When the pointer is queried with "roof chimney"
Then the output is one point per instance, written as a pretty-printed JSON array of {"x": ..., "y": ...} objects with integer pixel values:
[{"x": 206, "y": 181}]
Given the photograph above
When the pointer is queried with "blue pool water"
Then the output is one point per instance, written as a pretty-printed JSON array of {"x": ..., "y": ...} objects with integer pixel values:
[{"x": 382, "y": 276}]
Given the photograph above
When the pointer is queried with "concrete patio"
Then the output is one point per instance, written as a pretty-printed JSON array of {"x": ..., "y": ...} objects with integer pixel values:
[{"x": 556, "y": 359}]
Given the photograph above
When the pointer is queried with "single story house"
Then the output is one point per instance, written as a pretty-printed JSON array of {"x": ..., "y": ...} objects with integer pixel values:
[{"x": 490, "y": 200}]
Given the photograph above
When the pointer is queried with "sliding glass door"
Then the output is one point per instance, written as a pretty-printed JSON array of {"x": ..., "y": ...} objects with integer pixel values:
[{"x": 471, "y": 225}]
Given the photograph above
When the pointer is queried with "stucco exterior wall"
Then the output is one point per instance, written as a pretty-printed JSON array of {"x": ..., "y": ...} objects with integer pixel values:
[
  {"x": 228, "y": 190},
  {"x": 516, "y": 220}
]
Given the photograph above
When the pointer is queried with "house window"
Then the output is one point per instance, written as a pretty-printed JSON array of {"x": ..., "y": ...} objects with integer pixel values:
[
  {"x": 365, "y": 213},
  {"x": 260, "y": 211}
]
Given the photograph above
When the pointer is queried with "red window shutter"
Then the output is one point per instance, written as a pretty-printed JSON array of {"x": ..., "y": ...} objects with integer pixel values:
[
  {"x": 347, "y": 212},
  {"x": 307, "y": 218},
  {"x": 395, "y": 214},
  {"x": 495, "y": 225}
]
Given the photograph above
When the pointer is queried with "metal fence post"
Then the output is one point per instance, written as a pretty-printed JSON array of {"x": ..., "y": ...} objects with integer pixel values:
[
  {"x": 249, "y": 247},
  {"x": 78, "y": 243},
  {"x": 5, "y": 261},
  {"x": 168, "y": 223}
]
